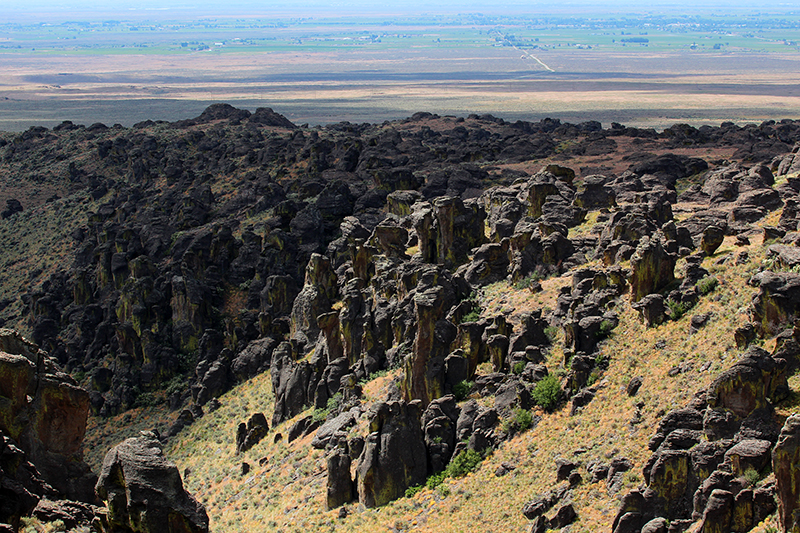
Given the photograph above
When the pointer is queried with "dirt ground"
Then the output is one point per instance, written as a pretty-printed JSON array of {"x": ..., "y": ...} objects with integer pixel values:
[{"x": 636, "y": 89}]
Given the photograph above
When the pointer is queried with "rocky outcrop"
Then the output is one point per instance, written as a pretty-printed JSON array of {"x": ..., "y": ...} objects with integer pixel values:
[
  {"x": 704, "y": 453},
  {"x": 21, "y": 484},
  {"x": 340, "y": 488},
  {"x": 776, "y": 303},
  {"x": 785, "y": 458},
  {"x": 652, "y": 268},
  {"x": 394, "y": 457},
  {"x": 144, "y": 491},
  {"x": 249, "y": 434},
  {"x": 425, "y": 372},
  {"x": 45, "y": 412}
]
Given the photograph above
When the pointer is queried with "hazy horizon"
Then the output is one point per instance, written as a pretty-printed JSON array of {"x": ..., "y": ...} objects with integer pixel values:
[{"x": 57, "y": 9}]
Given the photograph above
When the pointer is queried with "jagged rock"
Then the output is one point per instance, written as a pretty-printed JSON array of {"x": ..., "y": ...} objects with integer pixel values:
[
  {"x": 652, "y": 269},
  {"x": 656, "y": 525},
  {"x": 460, "y": 228},
  {"x": 254, "y": 359},
  {"x": 51, "y": 426},
  {"x": 294, "y": 383},
  {"x": 251, "y": 433},
  {"x": 564, "y": 516},
  {"x": 439, "y": 428},
  {"x": 633, "y": 385},
  {"x": 718, "y": 511},
  {"x": 785, "y": 458},
  {"x": 749, "y": 384},
  {"x": 425, "y": 370},
  {"x": 744, "y": 335},
  {"x": 72, "y": 514},
  {"x": 564, "y": 468},
  {"x": 596, "y": 194},
  {"x": 711, "y": 239},
  {"x": 489, "y": 264},
  {"x": 698, "y": 321},
  {"x": 400, "y": 202},
  {"x": 652, "y": 310},
  {"x": 21, "y": 485},
  {"x": 340, "y": 489},
  {"x": 513, "y": 394},
  {"x": 497, "y": 346},
  {"x": 316, "y": 298},
  {"x": 616, "y": 472},
  {"x": 531, "y": 333},
  {"x": 786, "y": 257},
  {"x": 330, "y": 428},
  {"x": 394, "y": 457},
  {"x": 303, "y": 427},
  {"x": 144, "y": 491}
]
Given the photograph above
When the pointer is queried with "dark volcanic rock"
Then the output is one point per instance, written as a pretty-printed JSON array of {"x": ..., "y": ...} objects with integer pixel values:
[
  {"x": 394, "y": 457},
  {"x": 144, "y": 491}
]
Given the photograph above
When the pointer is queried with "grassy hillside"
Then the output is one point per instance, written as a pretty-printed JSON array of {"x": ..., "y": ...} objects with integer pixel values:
[{"x": 285, "y": 489}]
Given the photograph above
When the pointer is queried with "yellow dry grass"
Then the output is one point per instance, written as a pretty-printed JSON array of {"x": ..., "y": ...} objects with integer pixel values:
[{"x": 287, "y": 492}]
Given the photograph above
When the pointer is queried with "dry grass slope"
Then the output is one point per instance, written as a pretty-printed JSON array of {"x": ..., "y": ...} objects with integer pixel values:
[{"x": 285, "y": 489}]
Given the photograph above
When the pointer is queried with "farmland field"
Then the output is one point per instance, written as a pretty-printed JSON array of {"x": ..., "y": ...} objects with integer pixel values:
[{"x": 643, "y": 71}]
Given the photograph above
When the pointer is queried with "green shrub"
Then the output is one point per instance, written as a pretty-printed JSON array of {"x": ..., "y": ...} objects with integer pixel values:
[
  {"x": 707, "y": 285},
  {"x": 472, "y": 316},
  {"x": 606, "y": 326},
  {"x": 552, "y": 333},
  {"x": 435, "y": 480},
  {"x": 547, "y": 392},
  {"x": 677, "y": 309},
  {"x": 527, "y": 281},
  {"x": 145, "y": 399},
  {"x": 463, "y": 463},
  {"x": 461, "y": 390},
  {"x": 411, "y": 491},
  {"x": 752, "y": 477},
  {"x": 518, "y": 367},
  {"x": 320, "y": 415},
  {"x": 593, "y": 377},
  {"x": 334, "y": 402},
  {"x": 519, "y": 421}
]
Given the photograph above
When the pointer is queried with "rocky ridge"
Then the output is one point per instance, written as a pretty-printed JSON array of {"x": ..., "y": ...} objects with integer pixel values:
[{"x": 236, "y": 243}]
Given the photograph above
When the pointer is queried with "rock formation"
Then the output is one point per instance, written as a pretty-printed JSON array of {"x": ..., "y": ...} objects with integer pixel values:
[{"x": 144, "y": 491}]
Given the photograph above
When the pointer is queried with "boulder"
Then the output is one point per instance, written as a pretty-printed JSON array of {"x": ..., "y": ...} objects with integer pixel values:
[
  {"x": 340, "y": 489},
  {"x": 652, "y": 310},
  {"x": 249, "y": 434},
  {"x": 749, "y": 384},
  {"x": 718, "y": 512},
  {"x": 596, "y": 194},
  {"x": 652, "y": 268},
  {"x": 489, "y": 264},
  {"x": 425, "y": 369},
  {"x": 144, "y": 491},
  {"x": 460, "y": 228},
  {"x": 13, "y": 206},
  {"x": 711, "y": 239},
  {"x": 394, "y": 457},
  {"x": 315, "y": 298}
]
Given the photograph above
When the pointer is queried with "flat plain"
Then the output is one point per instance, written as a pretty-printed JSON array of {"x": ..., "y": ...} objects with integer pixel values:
[{"x": 643, "y": 71}]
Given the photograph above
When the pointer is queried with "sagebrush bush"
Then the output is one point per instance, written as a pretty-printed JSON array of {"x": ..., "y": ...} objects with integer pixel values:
[
  {"x": 547, "y": 392},
  {"x": 463, "y": 463},
  {"x": 461, "y": 390},
  {"x": 707, "y": 285}
]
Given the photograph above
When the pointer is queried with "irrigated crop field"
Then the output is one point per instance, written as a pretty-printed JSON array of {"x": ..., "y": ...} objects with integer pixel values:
[{"x": 642, "y": 71}]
